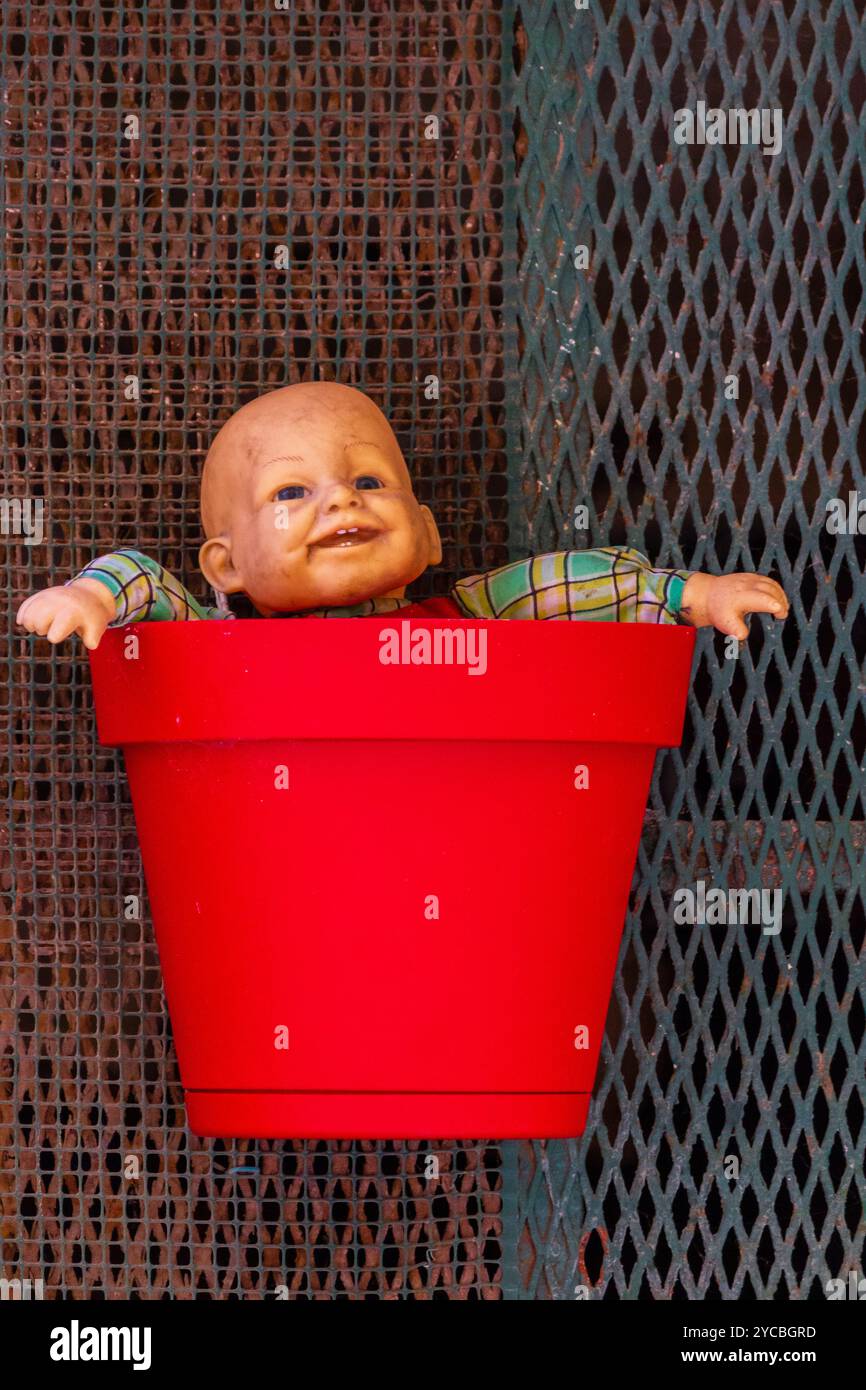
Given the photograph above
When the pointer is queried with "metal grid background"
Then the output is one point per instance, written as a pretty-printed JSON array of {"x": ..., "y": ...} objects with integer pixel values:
[
  {"x": 705, "y": 261},
  {"x": 156, "y": 257}
]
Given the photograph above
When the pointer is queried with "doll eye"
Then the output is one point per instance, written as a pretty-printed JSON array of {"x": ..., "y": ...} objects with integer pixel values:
[
  {"x": 290, "y": 493},
  {"x": 366, "y": 482}
]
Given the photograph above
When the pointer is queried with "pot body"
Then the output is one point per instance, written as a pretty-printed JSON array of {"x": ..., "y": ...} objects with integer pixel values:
[{"x": 388, "y": 898}]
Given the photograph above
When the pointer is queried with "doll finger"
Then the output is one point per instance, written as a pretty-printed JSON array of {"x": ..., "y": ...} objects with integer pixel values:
[
  {"x": 776, "y": 602},
  {"x": 730, "y": 619},
  {"x": 91, "y": 635},
  {"x": 783, "y": 599},
  {"x": 34, "y": 618},
  {"x": 760, "y": 584},
  {"x": 30, "y": 610},
  {"x": 769, "y": 586},
  {"x": 760, "y": 602},
  {"x": 62, "y": 624},
  {"x": 766, "y": 586},
  {"x": 751, "y": 577}
]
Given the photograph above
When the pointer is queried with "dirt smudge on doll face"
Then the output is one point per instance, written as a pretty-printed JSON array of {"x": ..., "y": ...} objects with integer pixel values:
[{"x": 307, "y": 503}]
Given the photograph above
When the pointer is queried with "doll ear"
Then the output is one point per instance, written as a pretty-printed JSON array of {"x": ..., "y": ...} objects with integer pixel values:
[
  {"x": 433, "y": 537},
  {"x": 215, "y": 563}
]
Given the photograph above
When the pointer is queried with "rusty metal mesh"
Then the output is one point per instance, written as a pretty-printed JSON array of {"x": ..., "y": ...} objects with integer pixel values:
[{"x": 155, "y": 158}]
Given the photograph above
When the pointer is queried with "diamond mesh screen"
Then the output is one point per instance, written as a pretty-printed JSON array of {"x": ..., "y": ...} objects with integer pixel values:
[
  {"x": 157, "y": 158},
  {"x": 704, "y": 261}
]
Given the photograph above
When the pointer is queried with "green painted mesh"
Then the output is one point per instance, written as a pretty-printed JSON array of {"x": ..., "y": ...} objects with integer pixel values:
[{"x": 706, "y": 261}]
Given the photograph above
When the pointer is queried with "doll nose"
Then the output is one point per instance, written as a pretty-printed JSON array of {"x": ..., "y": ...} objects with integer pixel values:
[{"x": 340, "y": 496}]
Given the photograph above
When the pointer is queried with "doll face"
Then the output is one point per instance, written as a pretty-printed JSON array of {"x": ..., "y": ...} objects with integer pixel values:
[{"x": 311, "y": 504}]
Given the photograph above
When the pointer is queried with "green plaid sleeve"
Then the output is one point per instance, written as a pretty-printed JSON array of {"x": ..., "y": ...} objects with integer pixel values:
[
  {"x": 611, "y": 584},
  {"x": 144, "y": 591}
]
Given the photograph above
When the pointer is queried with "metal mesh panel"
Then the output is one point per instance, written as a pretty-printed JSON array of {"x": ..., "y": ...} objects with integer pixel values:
[
  {"x": 154, "y": 257},
  {"x": 156, "y": 158},
  {"x": 705, "y": 261}
]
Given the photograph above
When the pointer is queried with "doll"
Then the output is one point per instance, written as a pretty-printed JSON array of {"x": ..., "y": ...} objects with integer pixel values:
[{"x": 308, "y": 509}]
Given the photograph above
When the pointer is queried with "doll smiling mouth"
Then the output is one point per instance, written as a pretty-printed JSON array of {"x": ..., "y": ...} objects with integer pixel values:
[{"x": 346, "y": 537}]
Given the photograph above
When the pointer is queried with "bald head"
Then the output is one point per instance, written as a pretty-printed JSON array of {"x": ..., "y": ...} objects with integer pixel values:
[
  {"x": 307, "y": 503},
  {"x": 294, "y": 422}
]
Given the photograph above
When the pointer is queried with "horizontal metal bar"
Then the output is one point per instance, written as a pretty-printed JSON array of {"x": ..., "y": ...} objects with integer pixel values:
[{"x": 789, "y": 845}]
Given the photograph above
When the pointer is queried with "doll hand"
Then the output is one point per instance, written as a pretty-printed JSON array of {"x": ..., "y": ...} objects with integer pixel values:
[
  {"x": 85, "y": 606},
  {"x": 721, "y": 601}
]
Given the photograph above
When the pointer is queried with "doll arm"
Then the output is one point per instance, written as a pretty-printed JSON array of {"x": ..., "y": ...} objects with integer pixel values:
[
  {"x": 143, "y": 590},
  {"x": 124, "y": 587},
  {"x": 610, "y": 584}
]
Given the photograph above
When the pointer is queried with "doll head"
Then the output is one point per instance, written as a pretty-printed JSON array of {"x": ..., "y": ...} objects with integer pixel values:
[{"x": 307, "y": 503}]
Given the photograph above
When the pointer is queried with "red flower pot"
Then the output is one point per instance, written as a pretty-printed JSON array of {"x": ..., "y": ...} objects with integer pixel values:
[{"x": 385, "y": 903}]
